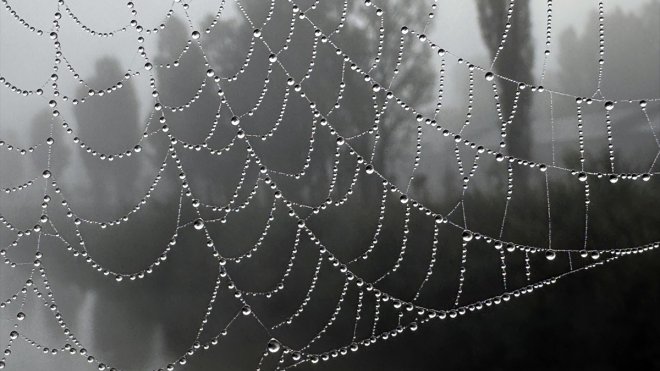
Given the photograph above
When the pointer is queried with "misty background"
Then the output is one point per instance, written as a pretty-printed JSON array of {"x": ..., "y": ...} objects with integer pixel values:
[{"x": 599, "y": 319}]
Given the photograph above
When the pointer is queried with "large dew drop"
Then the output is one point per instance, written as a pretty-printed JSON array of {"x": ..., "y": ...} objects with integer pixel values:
[
  {"x": 274, "y": 346},
  {"x": 550, "y": 255},
  {"x": 198, "y": 224}
]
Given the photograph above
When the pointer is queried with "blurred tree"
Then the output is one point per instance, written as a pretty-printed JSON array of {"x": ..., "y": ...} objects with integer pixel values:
[
  {"x": 515, "y": 59},
  {"x": 411, "y": 78},
  {"x": 110, "y": 125}
]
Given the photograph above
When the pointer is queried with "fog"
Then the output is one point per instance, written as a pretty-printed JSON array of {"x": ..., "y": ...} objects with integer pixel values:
[{"x": 133, "y": 168}]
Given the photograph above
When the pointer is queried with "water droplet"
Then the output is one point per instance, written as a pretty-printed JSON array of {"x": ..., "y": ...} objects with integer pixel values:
[
  {"x": 490, "y": 76},
  {"x": 148, "y": 66},
  {"x": 467, "y": 236},
  {"x": 20, "y": 316},
  {"x": 582, "y": 176},
  {"x": 257, "y": 32},
  {"x": 235, "y": 121},
  {"x": 550, "y": 255},
  {"x": 46, "y": 174},
  {"x": 274, "y": 346},
  {"x": 246, "y": 310},
  {"x": 198, "y": 224},
  {"x": 609, "y": 105},
  {"x": 369, "y": 169},
  {"x": 195, "y": 35},
  {"x": 403, "y": 199},
  {"x": 272, "y": 58}
]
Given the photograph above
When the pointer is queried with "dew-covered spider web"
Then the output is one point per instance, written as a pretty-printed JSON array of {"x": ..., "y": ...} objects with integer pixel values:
[{"x": 306, "y": 179}]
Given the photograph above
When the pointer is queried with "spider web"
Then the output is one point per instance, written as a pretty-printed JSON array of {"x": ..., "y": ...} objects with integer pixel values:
[{"x": 363, "y": 297}]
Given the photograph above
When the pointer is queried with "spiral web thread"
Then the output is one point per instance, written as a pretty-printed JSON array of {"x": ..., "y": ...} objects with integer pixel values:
[{"x": 411, "y": 313}]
